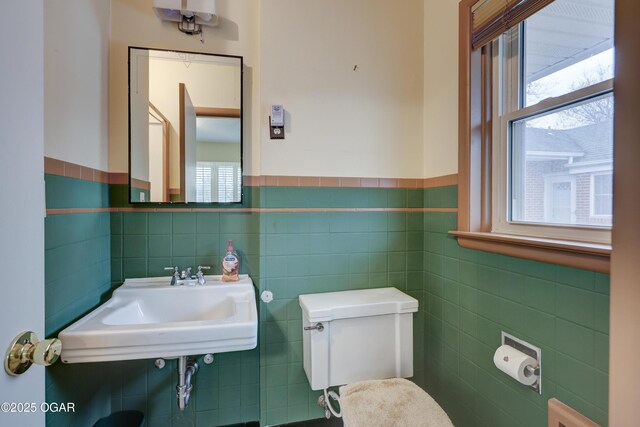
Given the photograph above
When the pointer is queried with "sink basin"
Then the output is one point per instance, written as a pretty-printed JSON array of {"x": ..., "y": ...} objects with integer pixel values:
[{"x": 148, "y": 318}]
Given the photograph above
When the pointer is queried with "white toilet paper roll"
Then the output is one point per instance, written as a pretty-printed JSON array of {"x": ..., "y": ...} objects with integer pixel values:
[{"x": 514, "y": 362}]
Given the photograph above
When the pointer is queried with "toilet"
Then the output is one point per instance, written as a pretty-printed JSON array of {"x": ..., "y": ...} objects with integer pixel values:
[{"x": 362, "y": 340}]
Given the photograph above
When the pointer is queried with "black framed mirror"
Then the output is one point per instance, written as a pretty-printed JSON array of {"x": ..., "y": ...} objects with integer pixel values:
[{"x": 185, "y": 127}]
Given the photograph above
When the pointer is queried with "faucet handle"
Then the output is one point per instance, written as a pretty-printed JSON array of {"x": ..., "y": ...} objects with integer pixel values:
[
  {"x": 174, "y": 269},
  {"x": 175, "y": 276},
  {"x": 200, "y": 274},
  {"x": 203, "y": 267}
]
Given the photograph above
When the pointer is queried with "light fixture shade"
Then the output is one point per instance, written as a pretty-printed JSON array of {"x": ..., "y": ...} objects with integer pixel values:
[{"x": 173, "y": 10}]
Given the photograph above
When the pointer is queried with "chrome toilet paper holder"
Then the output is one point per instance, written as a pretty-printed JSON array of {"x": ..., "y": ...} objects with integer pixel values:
[{"x": 530, "y": 350}]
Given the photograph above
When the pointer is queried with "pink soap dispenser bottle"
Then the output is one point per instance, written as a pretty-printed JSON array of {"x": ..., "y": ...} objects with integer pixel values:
[{"x": 230, "y": 265}]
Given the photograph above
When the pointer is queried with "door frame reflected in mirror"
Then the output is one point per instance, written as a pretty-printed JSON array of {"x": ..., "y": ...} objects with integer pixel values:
[
  {"x": 166, "y": 130},
  {"x": 226, "y": 114}
]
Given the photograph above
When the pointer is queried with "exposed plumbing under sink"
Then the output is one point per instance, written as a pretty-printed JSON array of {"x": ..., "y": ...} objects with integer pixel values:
[{"x": 187, "y": 368}]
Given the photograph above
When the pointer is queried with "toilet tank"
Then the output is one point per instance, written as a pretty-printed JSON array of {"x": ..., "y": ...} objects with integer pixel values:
[{"x": 366, "y": 334}]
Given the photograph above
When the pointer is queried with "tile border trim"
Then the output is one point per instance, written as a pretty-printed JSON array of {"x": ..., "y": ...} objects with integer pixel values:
[
  {"x": 140, "y": 184},
  {"x": 62, "y": 168},
  {"x": 71, "y": 211},
  {"x": 349, "y": 182},
  {"x": 71, "y": 170}
]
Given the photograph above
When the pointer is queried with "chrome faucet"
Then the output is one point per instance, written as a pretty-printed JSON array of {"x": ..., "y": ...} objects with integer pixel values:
[
  {"x": 200, "y": 274},
  {"x": 186, "y": 277},
  {"x": 175, "y": 276}
]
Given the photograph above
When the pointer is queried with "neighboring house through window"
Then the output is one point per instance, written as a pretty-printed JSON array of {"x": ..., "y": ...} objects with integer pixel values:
[{"x": 602, "y": 195}]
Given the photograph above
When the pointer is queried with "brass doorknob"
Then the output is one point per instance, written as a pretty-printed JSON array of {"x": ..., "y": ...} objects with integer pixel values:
[{"x": 26, "y": 350}]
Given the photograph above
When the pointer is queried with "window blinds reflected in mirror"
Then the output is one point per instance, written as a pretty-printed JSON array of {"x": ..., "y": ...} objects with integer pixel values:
[{"x": 218, "y": 182}]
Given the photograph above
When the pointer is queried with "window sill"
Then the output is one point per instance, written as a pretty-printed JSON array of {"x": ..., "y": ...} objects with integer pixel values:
[{"x": 588, "y": 256}]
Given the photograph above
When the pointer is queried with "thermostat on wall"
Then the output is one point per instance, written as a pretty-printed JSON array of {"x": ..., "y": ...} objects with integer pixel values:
[{"x": 277, "y": 115}]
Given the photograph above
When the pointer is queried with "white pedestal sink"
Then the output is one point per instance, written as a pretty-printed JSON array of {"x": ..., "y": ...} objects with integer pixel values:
[{"x": 148, "y": 318}]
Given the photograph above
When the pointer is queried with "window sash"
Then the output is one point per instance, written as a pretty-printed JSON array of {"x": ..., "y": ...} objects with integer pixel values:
[
  {"x": 567, "y": 100},
  {"x": 508, "y": 112},
  {"x": 475, "y": 163}
]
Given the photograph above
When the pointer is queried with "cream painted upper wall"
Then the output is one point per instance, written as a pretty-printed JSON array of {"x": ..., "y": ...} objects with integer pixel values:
[
  {"x": 209, "y": 85},
  {"x": 76, "y": 54},
  {"x": 342, "y": 122},
  {"x": 440, "y": 87},
  {"x": 395, "y": 116},
  {"x": 133, "y": 23}
]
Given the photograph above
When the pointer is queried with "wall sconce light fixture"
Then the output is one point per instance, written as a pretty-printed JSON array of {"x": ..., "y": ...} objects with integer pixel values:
[{"x": 190, "y": 15}]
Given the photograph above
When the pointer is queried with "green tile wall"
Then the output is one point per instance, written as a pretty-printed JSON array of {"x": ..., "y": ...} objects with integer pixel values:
[
  {"x": 77, "y": 278},
  {"x": 64, "y": 192},
  {"x": 466, "y": 299},
  {"x": 323, "y": 252},
  {"x": 289, "y": 253},
  {"x": 471, "y": 296},
  {"x": 326, "y": 197},
  {"x": 142, "y": 245},
  {"x": 77, "y": 266},
  {"x": 225, "y": 392}
]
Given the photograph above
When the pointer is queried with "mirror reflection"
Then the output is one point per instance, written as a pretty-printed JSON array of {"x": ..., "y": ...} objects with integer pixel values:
[{"x": 185, "y": 127}]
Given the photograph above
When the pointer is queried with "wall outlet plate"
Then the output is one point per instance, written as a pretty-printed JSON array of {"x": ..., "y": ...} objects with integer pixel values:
[{"x": 275, "y": 132}]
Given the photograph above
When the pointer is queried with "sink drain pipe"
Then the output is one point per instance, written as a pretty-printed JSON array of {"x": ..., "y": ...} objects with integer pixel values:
[{"x": 187, "y": 368}]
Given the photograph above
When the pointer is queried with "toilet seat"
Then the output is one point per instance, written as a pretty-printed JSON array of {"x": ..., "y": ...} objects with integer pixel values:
[{"x": 393, "y": 402}]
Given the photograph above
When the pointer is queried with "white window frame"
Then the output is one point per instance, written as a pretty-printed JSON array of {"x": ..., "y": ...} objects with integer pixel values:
[
  {"x": 505, "y": 111},
  {"x": 592, "y": 195}
]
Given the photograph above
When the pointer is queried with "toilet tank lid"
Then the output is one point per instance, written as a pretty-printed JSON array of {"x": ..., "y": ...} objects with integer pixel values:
[{"x": 329, "y": 306}]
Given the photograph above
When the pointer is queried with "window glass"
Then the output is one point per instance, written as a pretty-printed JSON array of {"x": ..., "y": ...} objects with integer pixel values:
[
  {"x": 568, "y": 45},
  {"x": 603, "y": 195},
  {"x": 562, "y": 163}
]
